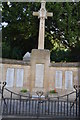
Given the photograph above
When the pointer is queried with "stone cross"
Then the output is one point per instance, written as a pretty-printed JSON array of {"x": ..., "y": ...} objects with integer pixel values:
[{"x": 42, "y": 14}]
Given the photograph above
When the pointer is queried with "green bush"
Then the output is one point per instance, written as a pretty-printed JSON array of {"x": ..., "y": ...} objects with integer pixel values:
[
  {"x": 23, "y": 91},
  {"x": 52, "y": 91}
]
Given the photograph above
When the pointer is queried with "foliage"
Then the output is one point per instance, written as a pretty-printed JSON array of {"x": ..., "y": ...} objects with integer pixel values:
[
  {"x": 23, "y": 91},
  {"x": 61, "y": 36},
  {"x": 52, "y": 91}
]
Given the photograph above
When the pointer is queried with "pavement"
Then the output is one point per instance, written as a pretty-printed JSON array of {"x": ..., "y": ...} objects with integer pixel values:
[
  {"x": 0, "y": 117},
  {"x": 24, "y": 118}
]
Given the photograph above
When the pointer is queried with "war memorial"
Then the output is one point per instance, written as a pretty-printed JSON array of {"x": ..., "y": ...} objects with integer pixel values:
[{"x": 36, "y": 74}]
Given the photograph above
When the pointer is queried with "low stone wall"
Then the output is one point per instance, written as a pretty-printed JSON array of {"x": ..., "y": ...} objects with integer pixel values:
[
  {"x": 12, "y": 70},
  {"x": 61, "y": 76}
]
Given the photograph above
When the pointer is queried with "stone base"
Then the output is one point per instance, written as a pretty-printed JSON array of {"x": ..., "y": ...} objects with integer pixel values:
[
  {"x": 40, "y": 60},
  {"x": 40, "y": 55}
]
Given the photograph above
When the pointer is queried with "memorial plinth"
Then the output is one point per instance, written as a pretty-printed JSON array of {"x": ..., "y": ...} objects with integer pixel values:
[{"x": 40, "y": 60}]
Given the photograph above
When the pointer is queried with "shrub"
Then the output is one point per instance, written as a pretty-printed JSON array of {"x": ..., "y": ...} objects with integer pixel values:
[
  {"x": 23, "y": 91},
  {"x": 53, "y": 91}
]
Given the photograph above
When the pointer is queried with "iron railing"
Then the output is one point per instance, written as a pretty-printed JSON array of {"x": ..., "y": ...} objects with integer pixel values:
[
  {"x": 61, "y": 106},
  {"x": 20, "y": 105},
  {"x": 36, "y": 107}
]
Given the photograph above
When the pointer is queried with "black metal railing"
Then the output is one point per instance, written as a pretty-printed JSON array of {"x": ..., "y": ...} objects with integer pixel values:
[
  {"x": 12, "y": 94},
  {"x": 61, "y": 106},
  {"x": 20, "y": 105},
  {"x": 2, "y": 85},
  {"x": 36, "y": 107}
]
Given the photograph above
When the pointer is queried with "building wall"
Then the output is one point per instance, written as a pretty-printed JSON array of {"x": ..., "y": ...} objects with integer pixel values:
[{"x": 59, "y": 72}]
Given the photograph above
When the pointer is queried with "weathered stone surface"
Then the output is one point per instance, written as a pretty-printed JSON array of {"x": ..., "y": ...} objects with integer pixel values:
[
  {"x": 68, "y": 80},
  {"x": 38, "y": 57},
  {"x": 27, "y": 57},
  {"x": 41, "y": 57},
  {"x": 58, "y": 79},
  {"x": 15, "y": 62},
  {"x": 65, "y": 64},
  {"x": 42, "y": 14},
  {"x": 19, "y": 78},
  {"x": 10, "y": 77},
  {"x": 39, "y": 75}
]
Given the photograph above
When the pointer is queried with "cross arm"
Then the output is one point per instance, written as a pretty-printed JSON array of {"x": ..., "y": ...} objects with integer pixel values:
[
  {"x": 49, "y": 14},
  {"x": 35, "y": 13}
]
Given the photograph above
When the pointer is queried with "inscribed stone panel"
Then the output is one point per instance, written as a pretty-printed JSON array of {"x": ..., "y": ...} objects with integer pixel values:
[
  {"x": 68, "y": 80},
  {"x": 39, "y": 75},
  {"x": 20, "y": 75},
  {"x": 58, "y": 78},
  {"x": 10, "y": 77}
]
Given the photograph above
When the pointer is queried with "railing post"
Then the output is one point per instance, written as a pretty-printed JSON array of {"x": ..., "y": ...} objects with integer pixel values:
[
  {"x": 39, "y": 93},
  {"x": 67, "y": 104},
  {"x": 76, "y": 101},
  {"x": 4, "y": 84},
  {"x": 77, "y": 88},
  {"x": 58, "y": 106}
]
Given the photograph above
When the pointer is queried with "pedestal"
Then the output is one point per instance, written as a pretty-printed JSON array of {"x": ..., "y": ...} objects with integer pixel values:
[{"x": 40, "y": 60}]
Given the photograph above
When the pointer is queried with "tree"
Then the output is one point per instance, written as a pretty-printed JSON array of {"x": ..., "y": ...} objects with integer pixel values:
[
  {"x": 65, "y": 32},
  {"x": 21, "y": 33}
]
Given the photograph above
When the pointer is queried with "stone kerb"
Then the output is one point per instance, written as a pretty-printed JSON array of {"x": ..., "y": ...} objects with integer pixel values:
[
  {"x": 65, "y": 64},
  {"x": 12, "y": 61}
]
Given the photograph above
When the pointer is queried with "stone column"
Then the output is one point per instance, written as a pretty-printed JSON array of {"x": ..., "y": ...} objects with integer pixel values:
[{"x": 41, "y": 34}]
